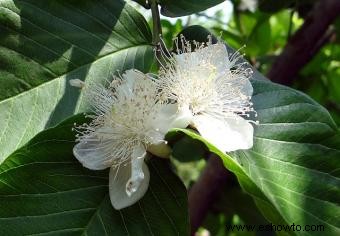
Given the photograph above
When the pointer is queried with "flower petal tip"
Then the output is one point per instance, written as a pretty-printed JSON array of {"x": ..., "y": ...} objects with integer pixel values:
[{"x": 119, "y": 177}]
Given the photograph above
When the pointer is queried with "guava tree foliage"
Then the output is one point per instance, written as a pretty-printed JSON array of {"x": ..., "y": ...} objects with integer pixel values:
[{"x": 291, "y": 172}]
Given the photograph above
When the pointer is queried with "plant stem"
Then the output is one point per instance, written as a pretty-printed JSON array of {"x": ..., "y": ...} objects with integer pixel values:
[{"x": 157, "y": 28}]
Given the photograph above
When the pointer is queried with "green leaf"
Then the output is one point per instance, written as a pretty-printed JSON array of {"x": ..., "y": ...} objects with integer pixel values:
[
  {"x": 292, "y": 171},
  {"x": 45, "y": 190},
  {"x": 185, "y": 7},
  {"x": 45, "y": 44},
  {"x": 289, "y": 162}
]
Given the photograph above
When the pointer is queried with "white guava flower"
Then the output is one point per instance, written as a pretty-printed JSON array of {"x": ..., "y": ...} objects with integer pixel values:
[
  {"x": 250, "y": 5},
  {"x": 213, "y": 92},
  {"x": 129, "y": 119}
]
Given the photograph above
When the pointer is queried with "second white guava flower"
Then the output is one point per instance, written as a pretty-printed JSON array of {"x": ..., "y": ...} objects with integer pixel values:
[
  {"x": 213, "y": 92},
  {"x": 129, "y": 119}
]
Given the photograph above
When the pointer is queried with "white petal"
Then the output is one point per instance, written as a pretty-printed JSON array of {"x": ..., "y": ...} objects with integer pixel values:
[
  {"x": 182, "y": 118},
  {"x": 154, "y": 136},
  {"x": 138, "y": 152},
  {"x": 220, "y": 58},
  {"x": 247, "y": 88},
  {"x": 232, "y": 134},
  {"x": 126, "y": 88},
  {"x": 215, "y": 54},
  {"x": 169, "y": 117},
  {"x": 172, "y": 117},
  {"x": 137, "y": 175},
  {"x": 131, "y": 76},
  {"x": 133, "y": 79},
  {"x": 93, "y": 154},
  {"x": 117, "y": 185}
]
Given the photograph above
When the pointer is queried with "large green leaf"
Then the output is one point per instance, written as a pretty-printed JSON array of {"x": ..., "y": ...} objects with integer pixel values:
[
  {"x": 45, "y": 190},
  {"x": 44, "y": 44},
  {"x": 185, "y": 7},
  {"x": 292, "y": 171}
]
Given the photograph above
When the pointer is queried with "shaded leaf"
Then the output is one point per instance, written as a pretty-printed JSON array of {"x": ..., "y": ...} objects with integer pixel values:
[{"x": 45, "y": 190}]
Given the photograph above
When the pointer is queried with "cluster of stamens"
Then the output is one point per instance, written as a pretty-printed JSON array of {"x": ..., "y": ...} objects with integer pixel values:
[
  {"x": 190, "y": 78},
  {"x": 120, "y": 115}
]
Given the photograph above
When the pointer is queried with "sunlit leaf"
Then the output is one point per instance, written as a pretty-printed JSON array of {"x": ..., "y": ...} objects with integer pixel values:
[{"x": 44, "y": 44}]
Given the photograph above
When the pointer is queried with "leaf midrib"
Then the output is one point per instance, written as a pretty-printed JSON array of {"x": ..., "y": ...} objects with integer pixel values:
[{"x": 78, "y": 68}]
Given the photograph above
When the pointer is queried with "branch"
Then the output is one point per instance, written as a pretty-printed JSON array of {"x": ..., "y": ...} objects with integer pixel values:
[
  {"x": 206, "y": 191},
  {"x": 305, "y": 43},
  {"x": 157, "y": 28}
]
